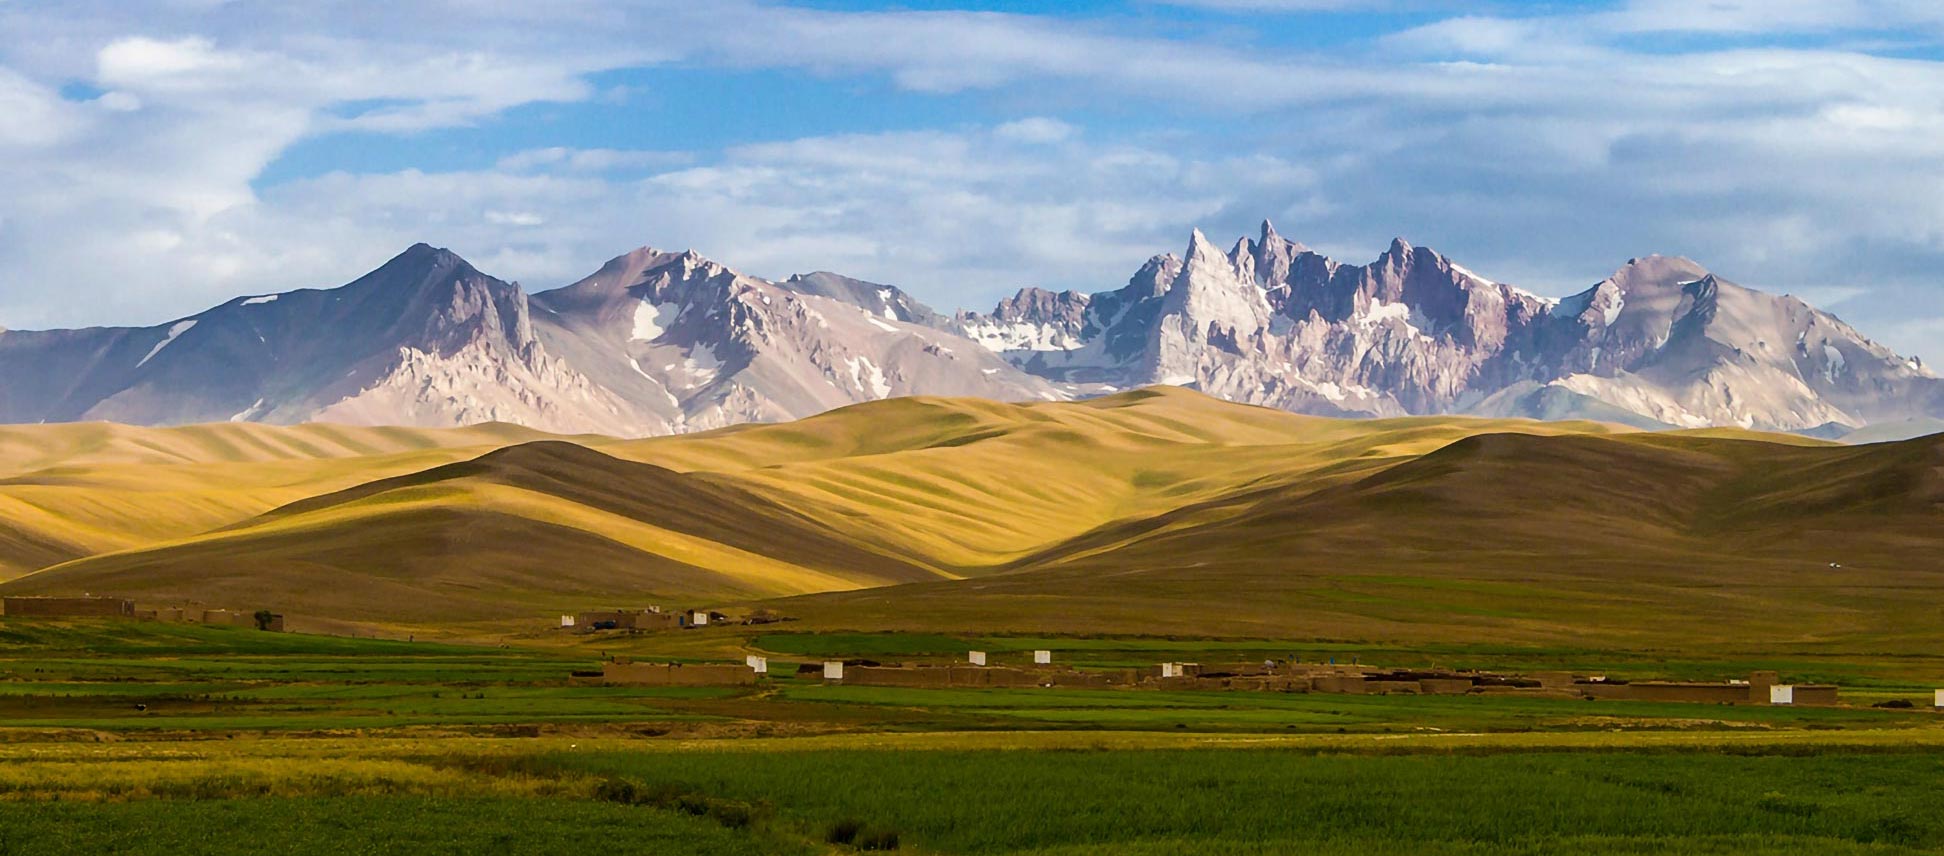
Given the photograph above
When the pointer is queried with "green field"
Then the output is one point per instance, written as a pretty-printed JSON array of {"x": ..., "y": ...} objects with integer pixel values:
[
  {"x": 1034, "y": 794},
  {"x": 144, "y": 737}
]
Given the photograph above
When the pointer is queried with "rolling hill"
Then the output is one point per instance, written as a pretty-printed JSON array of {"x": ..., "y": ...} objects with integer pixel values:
[
  {"x": 1155, "y": 511},
  {"x": 1640, "y": 541},
  {"x": 74, "y": 490}
]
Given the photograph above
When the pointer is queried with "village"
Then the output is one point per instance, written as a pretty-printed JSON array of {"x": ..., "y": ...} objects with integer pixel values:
[
  {"x": 978, "y": 670},
  {"x": 985, "y": 670},
  {"x": 92, "y": 606}
]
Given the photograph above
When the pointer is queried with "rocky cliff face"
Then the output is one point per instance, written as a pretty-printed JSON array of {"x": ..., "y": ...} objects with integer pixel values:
[
  {"x": 694, "y": 345},
  {"x": 1662, "y": 342}
]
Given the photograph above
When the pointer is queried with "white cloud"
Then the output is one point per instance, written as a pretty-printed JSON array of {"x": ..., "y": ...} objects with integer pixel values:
[
  {"x": 146, "y": 63},
  {"x": 1037, "y": 129},
  {"x": 897, "y": 207},
  {"x": 1772, "y": 16},
  {"x": 1539, "y": 149},
  {"x": 590, "y": 160}
]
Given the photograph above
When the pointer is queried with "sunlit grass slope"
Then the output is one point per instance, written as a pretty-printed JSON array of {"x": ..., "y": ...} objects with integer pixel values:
[
  {"x": 971, "y": 484},
  {"x": 514, "y": 533},
  {"x": 68, "y": 491},
  {"x": 1637, "y": 540}
]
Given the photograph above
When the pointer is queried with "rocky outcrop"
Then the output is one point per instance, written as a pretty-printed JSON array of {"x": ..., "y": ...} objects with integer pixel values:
[{"x": 1661, "y": 342}]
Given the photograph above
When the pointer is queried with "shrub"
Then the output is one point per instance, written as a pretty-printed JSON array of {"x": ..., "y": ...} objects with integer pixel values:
[
  {"x": 731, "y": 815},
  {"x": 844, "y": 831},
  {"x": 616, "y": 791}
]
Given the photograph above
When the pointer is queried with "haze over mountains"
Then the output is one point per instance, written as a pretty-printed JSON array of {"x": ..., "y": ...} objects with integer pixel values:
[{"x": 657, "y": 343}]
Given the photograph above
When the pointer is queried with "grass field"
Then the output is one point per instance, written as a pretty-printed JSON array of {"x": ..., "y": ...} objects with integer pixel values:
[
  {"x": 153, "y": 677},
  {"x": 143, "y": 737},
  {"x": 1020, "y": 794}
]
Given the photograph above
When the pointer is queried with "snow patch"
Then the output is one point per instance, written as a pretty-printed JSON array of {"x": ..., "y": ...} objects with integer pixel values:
[
  {"x": 175, "y": 332},
  {"x": 1612, "y": 312},
  {"x": 1464, "y": 271},
  {"x": 880, "y": 324},
  {"x": 866, "y": 374},
  {"x": 1835, "y": 363},
  {"x": 1020, "y": 336},
  {"x": 1414, "y": 320},
  {"x": 1548, "y": 302},
  {"x": 651, "y": 320},
  {"x": 703, "y": 358},
  {"x": 268, "y": 298},
  {"x": 249, "y": 413}
]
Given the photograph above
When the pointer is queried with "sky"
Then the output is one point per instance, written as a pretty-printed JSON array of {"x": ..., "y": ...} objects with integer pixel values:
[{"x": 158, "y": 158}]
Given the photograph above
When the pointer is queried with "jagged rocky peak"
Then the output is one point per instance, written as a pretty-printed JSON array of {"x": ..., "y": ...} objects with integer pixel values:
[
  {"x": 1154, "y": 277},
  {"x": 1274, "y": 256},
  {"x": 1041, "y": 304},
  {"x": 1213, "y": 289}
]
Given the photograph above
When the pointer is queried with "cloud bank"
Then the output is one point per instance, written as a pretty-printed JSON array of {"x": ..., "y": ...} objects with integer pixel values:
[{"x": 1792, "y": 146}]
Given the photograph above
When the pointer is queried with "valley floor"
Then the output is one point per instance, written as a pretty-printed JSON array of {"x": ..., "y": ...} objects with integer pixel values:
[{"x": 155, "y": 738}]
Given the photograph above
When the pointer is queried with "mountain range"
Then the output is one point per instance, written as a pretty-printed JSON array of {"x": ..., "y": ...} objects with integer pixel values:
[{"x": 659, "y": 343}]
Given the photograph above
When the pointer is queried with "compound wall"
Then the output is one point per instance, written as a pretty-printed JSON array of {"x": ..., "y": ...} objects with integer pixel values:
[{"x": 67, "y": 607}]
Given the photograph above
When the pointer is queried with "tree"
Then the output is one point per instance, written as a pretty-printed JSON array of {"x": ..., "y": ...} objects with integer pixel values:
[{"x": 263, "y": 619}]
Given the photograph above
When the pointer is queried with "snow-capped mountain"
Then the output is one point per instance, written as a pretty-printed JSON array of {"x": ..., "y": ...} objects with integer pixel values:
[
  {"x": 1661, "y": 342},
  {"x": 658, "y": 342},
  {"x": 692, "y": 345},
  {"x": 424, "y": 340},
  {"x": 652, "y": 343}
]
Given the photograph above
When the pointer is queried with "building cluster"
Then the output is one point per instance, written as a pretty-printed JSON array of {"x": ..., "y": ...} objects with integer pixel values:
[
  {"x": 978, "y": 671},
  {"x": 652, "y": 618},
  {"x": 646, "y": 618},
  {"x": 91, "y": 606}
]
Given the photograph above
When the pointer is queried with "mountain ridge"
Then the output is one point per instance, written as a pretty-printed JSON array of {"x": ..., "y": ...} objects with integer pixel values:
[{"x": 658, "y": 342}]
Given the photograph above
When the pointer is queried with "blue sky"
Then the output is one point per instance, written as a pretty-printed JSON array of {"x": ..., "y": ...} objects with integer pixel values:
[{"x": 165, "y": 157}]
